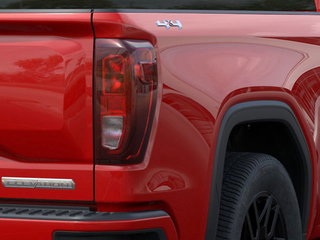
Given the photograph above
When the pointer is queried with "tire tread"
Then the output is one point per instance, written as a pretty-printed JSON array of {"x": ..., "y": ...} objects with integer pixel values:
[{"x": 236, "y": 173}]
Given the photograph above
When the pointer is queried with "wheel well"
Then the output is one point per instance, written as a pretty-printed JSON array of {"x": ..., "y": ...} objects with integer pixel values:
[
  {"x": 275, "y": 139},
  {"x": 269, "y": 127}
]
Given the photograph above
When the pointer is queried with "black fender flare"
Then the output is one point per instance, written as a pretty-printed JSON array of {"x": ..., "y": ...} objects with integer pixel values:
[{"x": 256, "y": 111}]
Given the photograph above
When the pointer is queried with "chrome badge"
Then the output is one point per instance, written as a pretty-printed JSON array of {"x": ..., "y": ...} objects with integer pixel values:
[
  {"x": 169, "y": 23},
  {"x": 48, "y": 183}
]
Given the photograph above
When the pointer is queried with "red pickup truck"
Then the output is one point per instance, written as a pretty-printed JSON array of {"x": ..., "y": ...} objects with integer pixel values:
[{"x": 159, "y": 120}]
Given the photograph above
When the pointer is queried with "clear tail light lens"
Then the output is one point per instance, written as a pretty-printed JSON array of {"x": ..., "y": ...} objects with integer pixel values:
[{"x": 125, "y": 94}]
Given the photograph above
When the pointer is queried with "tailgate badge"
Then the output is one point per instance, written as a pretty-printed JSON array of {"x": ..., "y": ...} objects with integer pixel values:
[
  {"x": 169, "y": 23},
  {"x": 47, "y": 183}
]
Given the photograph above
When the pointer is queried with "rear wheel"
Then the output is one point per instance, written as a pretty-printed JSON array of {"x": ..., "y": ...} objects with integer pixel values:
[{"x": 258, "y": 201}]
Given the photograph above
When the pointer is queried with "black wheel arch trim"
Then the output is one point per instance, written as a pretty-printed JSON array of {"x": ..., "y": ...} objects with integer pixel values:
[{"x": 256, "y": 111}]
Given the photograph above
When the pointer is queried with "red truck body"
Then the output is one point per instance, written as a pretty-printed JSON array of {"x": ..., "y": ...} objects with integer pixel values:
[{"x": 218, "y": 60}]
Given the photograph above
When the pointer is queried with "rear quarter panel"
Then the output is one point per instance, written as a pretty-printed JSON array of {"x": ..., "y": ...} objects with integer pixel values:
[{"x": 215, "y": 61}]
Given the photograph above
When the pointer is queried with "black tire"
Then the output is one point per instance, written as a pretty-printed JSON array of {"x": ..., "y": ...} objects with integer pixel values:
[{"x": 257, "y": 184}]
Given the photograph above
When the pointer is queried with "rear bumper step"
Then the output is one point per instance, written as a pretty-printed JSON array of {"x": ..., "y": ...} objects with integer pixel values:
[
  {"x": 72, "y": 213},
  {"x": 60, "y": 223}
]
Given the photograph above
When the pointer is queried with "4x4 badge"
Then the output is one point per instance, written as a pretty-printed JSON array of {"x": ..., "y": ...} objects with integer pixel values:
[{"x": 169, "y": 23}]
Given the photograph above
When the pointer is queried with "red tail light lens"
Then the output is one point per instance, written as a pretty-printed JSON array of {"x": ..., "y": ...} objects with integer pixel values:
[{"x": 125, "y": 94}]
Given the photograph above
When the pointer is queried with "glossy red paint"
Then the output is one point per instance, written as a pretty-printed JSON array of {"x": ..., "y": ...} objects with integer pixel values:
[
  {"x": 46, "y": 102},
  {"x": 204, "y": 69},
  {"x": 317, "y": 5}
]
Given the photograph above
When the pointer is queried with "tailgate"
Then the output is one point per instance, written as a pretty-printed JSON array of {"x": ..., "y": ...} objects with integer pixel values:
[{"x": 46, "y": 106}]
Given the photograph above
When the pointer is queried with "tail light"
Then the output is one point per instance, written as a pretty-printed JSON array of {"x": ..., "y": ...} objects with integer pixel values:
[{"x": 125, "y": 94}]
